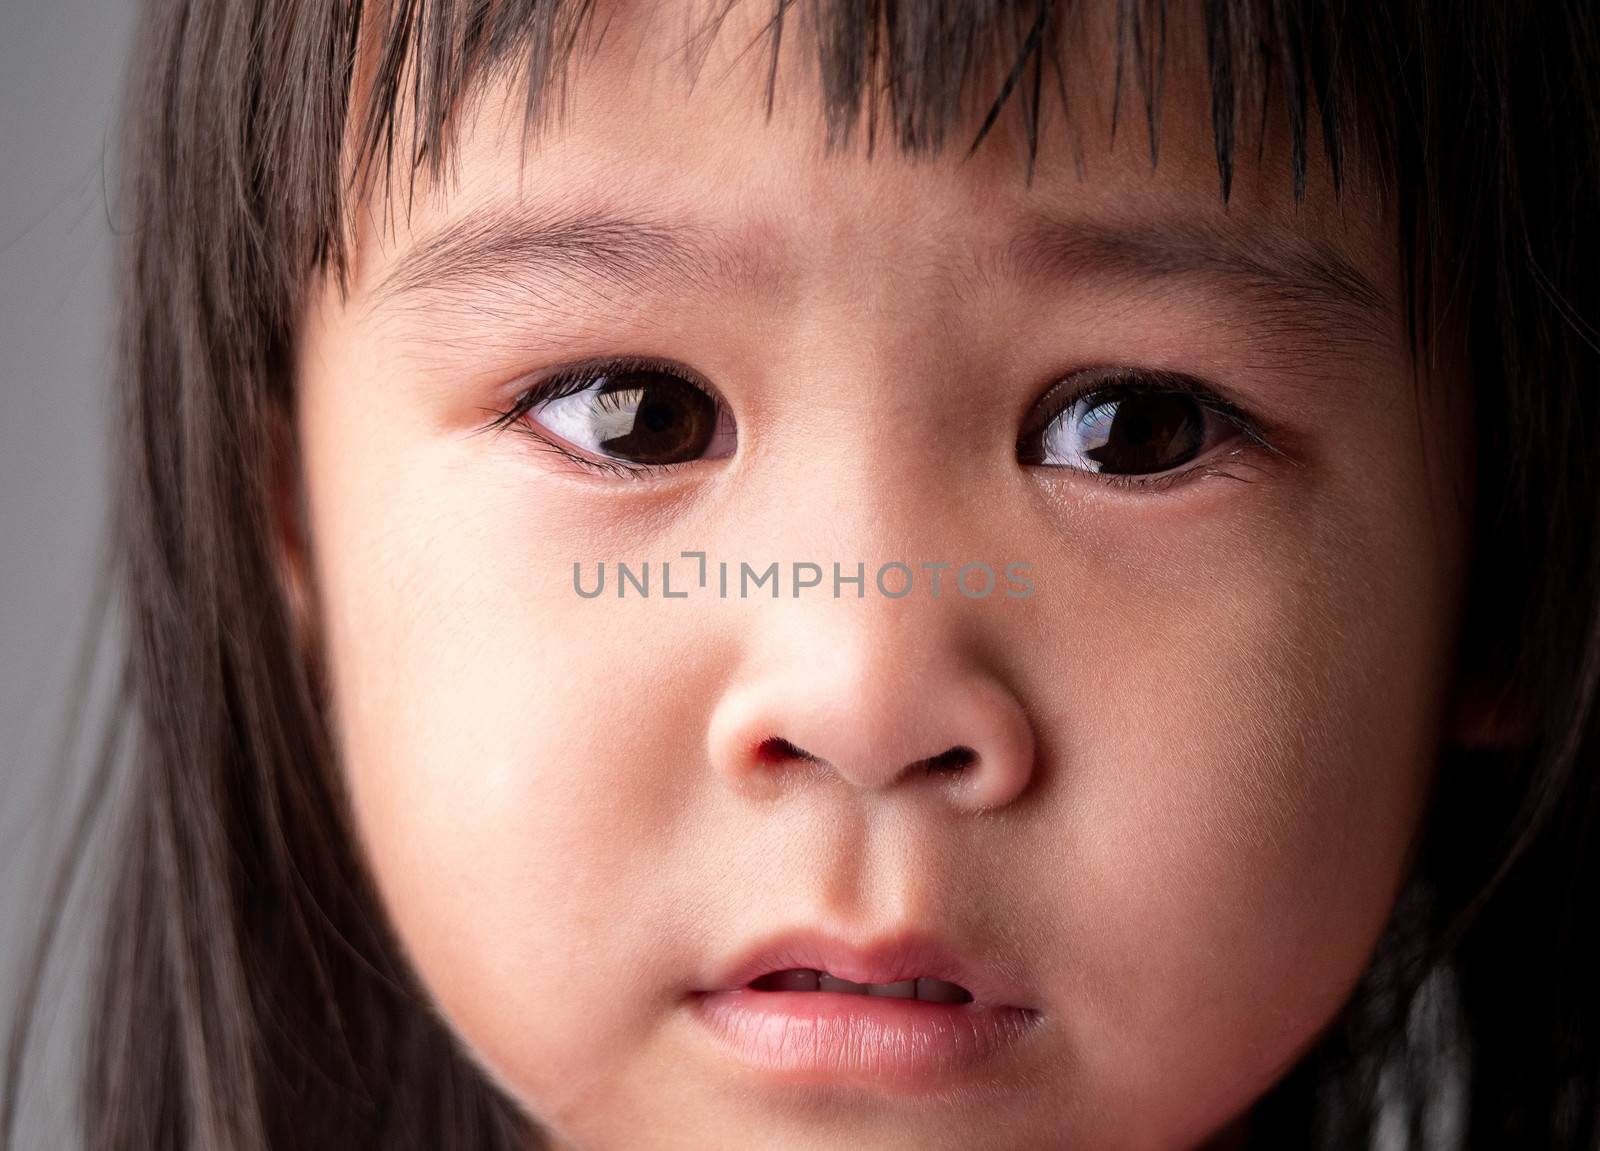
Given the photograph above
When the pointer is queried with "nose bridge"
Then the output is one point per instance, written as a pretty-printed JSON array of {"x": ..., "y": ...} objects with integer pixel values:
[{"x": 873, "y": 676}]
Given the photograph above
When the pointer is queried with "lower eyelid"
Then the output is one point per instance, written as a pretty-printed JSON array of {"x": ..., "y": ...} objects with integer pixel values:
[
  {"x": 548, "y": 442},
  {"x": 1237, "y": 451},
  {"x": 1160, "y": 482},
  {"x": 1206, "y": 467},
  {"x": 1239, "y": 436}
]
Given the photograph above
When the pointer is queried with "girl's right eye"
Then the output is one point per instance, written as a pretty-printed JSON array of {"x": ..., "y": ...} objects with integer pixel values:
[{"x": 626, "y": 417}]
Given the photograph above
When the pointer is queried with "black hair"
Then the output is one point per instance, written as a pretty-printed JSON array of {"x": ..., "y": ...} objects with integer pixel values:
[{"x": 250, "y": 994}]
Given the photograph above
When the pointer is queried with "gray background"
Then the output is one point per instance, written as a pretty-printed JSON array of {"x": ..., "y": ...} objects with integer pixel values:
[{"x": 62, "y": 64}]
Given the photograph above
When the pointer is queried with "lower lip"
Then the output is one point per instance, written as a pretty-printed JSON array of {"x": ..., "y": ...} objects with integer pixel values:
[{"x": 865, "y": 1040}]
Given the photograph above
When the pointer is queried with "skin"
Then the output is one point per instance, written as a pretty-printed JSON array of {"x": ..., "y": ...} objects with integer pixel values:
[{"x": 1203, "y": 744}]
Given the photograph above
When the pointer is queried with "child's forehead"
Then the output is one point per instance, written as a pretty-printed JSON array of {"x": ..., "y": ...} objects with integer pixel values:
[{"x": 663, "y": 116}]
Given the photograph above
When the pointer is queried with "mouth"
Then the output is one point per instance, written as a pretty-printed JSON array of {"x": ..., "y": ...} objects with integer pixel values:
[
  {"x": 923, "y": 988},
  {"x": 902, "y": 1013}
]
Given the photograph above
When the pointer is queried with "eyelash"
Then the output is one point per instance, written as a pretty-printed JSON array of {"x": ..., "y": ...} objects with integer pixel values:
[
  {"x": 1124, "y": 382},
  {"x": 1109, "y": 383},
  {"x": 575, "y": 378}
]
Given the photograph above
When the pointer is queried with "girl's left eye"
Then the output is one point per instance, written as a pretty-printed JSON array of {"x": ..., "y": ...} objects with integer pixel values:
[
  {"x": 625, "y": 417},
  {"x": 1132, "y": 428}
]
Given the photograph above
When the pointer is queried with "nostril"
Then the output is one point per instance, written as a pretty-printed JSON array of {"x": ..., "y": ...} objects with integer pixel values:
[
  {"x": 776, "y": 749},
  {"x": 952, "y": 761}
]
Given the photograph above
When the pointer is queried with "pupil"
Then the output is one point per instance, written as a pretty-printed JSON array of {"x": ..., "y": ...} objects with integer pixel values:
[
  {"x": 655, "y": 416},
  {"x": 673, "y": 420},
  {"x": 1151, "y": 433}
]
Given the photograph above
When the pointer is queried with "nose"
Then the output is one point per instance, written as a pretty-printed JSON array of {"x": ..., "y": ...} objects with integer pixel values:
[{"x": 875, "y": 696}]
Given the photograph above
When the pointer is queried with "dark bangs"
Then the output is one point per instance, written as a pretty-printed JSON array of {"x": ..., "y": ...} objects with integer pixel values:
[
  {"x": 919, "y": 64},
  {"x": 249, "y": 992}
]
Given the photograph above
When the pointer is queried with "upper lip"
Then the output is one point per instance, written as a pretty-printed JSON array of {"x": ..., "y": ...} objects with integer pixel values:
[{"x": 905, "y": 954}]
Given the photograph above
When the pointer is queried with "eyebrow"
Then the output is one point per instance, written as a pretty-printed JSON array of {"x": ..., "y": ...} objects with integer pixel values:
[
  {"x": 1273, "y": 267},
  {"x": 1285, "y": 277},
  {"x": 500, "y": 245}
]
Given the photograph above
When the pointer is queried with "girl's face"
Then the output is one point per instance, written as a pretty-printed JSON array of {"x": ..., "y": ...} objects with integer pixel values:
[{"x": 1188, "y": 742}]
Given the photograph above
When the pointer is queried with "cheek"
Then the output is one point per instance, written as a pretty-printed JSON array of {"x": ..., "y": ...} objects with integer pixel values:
[
  {"x": 1242, "y": 766},
  {"x": 509, "y": 786}
]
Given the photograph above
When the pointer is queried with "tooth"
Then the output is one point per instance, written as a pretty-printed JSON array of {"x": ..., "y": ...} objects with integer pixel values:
[
  {"x": 905, "y": 989},
  {"x": 826, "y": 982},
  {"x": 938, "y": 991},
  {"x": 798, "y": 979}
]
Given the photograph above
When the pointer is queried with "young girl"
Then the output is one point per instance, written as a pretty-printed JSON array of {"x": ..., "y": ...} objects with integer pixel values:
[{"x": 852, "y": 575}]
